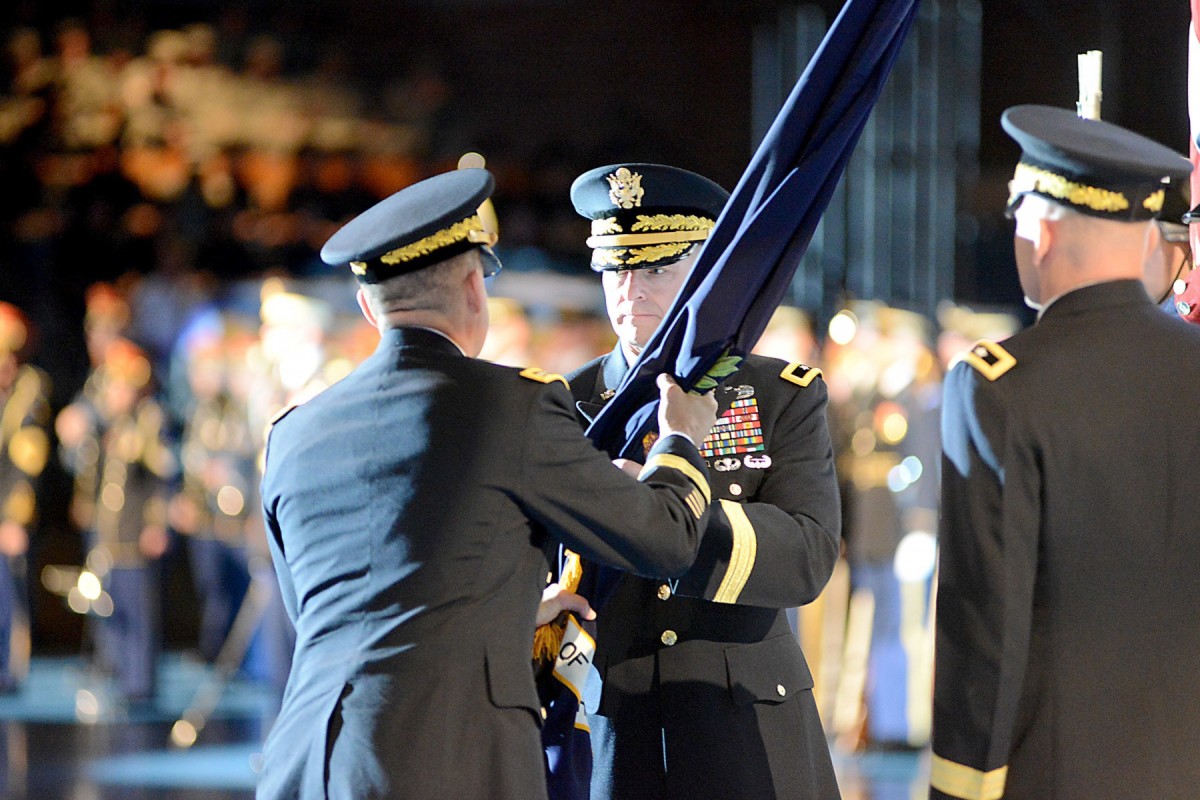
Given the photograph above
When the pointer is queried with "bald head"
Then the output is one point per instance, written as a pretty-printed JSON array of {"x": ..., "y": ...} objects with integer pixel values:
[{"x": 1059, "y": 249}]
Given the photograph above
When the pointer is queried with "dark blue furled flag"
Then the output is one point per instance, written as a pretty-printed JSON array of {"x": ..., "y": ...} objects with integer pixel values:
[
  {"x": 750, "y": 257},
  {"x": 738, "y": 280}
]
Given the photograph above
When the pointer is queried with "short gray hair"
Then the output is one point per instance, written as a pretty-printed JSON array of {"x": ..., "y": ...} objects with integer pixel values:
[{"x": 434, "y": 288}]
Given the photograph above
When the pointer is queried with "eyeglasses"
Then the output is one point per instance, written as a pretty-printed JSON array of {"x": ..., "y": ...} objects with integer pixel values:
[
  {"x": 1173, "y": 231},
  {"x": 491, "y": 263}
]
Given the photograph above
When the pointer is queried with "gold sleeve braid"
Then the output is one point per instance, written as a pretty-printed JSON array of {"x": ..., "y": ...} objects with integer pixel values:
[
  {"x": 694, "y": 475},
  {"x": 968, "y": 783},
  {"x": 742, "y": 556}
]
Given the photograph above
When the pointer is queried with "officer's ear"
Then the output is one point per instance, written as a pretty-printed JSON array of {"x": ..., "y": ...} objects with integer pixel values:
[
  {"x": 1047, "y": 232},
  {"x": 365, "y": 306},
  {"x": 1152, "y": 241},
  {"x": 476, "y": 291},
  {"x": 1034, "y": 225}
]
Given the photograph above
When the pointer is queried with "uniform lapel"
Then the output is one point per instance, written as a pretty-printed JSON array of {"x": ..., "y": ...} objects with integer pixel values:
[{"x": 608, "y": 378}]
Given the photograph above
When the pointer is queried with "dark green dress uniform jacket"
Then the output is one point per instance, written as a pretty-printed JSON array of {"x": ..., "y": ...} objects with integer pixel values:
[
  {"x": 408, "y": 509},
  {"x": 708, "y": 695},
  {"x": 1068, "y": 641}
]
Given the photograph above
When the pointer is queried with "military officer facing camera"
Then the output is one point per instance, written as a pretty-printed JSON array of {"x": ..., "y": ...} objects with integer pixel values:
[
  {"x": 1067, "y": 635},
  {"x": 408, "y": 508},
  {"x": 704, "y": 691},
  {"x": 1171, "y": 261}
]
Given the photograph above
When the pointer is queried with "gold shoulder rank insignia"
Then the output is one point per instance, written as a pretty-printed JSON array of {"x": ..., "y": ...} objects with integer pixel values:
[
  {"x": 541, "y": 376},
  {"x": 990, "y": 359},
  {"x": 799, "y": 374}
]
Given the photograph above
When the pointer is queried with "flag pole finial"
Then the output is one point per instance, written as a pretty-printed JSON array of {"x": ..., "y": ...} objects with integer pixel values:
[{"x": 1090, "y": 66}]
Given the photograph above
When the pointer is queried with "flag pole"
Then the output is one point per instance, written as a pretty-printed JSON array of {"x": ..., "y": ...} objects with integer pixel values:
[{"x": 1090, "y": 68}]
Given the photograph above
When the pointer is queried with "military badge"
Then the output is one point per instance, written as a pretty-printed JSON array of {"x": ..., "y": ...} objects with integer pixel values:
[
  {"x": 744, "y": 392},
  {"x": 727, "y": 464},
  {"x": 625, "y": 188},
  {"x": 990, "y": 359},
  {"x": 648, "y": 441},
  {"x": 799, "y": 374},
  {"x": 738, "y": 430},
  {"x": 541, "y": 376},
  {"x": 758, "y": 462}
]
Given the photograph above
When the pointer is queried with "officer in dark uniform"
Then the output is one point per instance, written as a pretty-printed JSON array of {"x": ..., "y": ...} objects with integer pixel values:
[
  {"x": 1171, "y": 261},
  {"x": 1067, "y": 634},
  {"x": 212, "y": 508},
  {"x": 80, "y": 426},
  {"x": 409, "y": 508},
  {"x": 131, "y": 467},
  {"x": 704, "y": 691},
  {"x": 24, "y": 448}
]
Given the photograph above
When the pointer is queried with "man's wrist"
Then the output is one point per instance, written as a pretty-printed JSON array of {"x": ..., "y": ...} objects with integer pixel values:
[{"x": 683, "y": 435}]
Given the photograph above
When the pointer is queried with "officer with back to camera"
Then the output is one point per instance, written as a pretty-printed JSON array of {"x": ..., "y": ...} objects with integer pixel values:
[
  {"x": 408, "y": 508},
  {"x": 1067, "y": 635}
]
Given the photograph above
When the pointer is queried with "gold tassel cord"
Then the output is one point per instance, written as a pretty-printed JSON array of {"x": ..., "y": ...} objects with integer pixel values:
[
  {"x": 547, "y": 640},
  {"x": 572, "y": 571}
]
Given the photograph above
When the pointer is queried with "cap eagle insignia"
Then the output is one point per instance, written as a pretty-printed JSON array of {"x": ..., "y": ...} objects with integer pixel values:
[{"x": 625, "y": 188}]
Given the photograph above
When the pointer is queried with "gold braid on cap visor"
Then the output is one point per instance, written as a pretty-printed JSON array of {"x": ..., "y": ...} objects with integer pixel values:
[
  {"x": 470, "y": 229},
  {"x": 625, "y": 257},
  {"x": 1029, "y": 178},
  {"x": 651, "y": 238},
  {"x": 650, "y": 229}
]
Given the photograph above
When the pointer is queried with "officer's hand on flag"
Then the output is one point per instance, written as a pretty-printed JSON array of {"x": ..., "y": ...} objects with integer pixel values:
[
  {"x": 556, "y": 600},
  {"x": 683, "y": 413}
]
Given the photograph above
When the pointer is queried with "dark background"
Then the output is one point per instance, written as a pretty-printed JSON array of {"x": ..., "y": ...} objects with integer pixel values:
[
  {"x": 672, "y": 78},
  {"x": 550, "y": 88}
]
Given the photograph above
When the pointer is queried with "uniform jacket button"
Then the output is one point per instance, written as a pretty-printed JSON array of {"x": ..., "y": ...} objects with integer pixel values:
[
  {"x": 664, "y": 592},
  {"x": 669, "y": 638},
  {"x": 782, "y": 691}
]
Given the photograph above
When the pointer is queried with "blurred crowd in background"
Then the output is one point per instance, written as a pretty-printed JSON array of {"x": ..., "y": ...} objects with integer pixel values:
[
  {"x": 188, "y": 158},
  {"x": 165, "y": 199}
]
